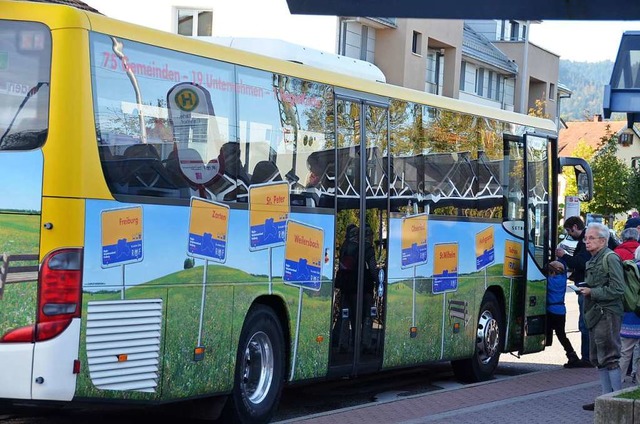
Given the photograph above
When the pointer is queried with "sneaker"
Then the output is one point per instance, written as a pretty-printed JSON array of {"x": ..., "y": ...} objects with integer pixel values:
[
  {"x": 584, "y": 364},
  {"x": 573, "y": 363},
  {"x": 589, "y": 406}
]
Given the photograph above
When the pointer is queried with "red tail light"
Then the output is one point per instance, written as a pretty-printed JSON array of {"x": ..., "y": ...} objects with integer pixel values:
[{"x": 59, "y": 297}]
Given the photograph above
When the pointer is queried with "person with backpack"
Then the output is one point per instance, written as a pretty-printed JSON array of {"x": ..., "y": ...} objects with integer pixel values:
[
  {"x": 557, "y": 311},
  {"x": 603, "y": 307},
  {"x": 630, "y": 330},
  {"x": 627, "y": 249}
]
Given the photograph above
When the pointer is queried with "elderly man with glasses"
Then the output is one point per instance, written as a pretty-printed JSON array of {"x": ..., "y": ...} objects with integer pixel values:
[{"x": 603, "y": 308}]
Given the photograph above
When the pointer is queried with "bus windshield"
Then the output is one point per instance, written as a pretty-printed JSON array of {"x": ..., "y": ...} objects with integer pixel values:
[{"x": 25, "y": 69}]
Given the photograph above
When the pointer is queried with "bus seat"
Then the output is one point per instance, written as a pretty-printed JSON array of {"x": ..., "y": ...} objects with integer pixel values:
[
  {"x": 233, "y": 180},
  {"x": 142, "y": 166},
  {"x": 265, "y": 172},
  {"x": 172, "y": 165}
]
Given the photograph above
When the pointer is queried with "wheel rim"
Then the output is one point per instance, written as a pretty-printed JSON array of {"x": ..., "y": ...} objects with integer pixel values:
[
  {"x": 258, "y": 368},
  {"x": 488, "y": 337}
]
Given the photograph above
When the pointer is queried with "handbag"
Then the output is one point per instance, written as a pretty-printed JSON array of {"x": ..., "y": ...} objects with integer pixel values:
[{"x": 593, "y": 316}]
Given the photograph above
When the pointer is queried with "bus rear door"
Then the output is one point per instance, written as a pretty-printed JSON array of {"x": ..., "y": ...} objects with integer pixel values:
[{"x": 358, "y": 322}]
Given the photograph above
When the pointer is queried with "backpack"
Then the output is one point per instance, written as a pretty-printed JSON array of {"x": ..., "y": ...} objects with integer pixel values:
[{"x": 631, "y": 298}]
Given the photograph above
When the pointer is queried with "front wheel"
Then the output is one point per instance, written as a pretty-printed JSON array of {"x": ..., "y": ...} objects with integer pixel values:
[
  {"x": 259, "y": 373},
  {"x": 489, "y": 343}
]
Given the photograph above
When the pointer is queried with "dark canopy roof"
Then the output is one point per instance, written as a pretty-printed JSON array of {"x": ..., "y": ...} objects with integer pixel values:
[{"x": 471, "y": 9}]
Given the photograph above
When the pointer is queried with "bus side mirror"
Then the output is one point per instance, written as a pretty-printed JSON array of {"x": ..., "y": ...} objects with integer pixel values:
[{"x": 584, "y": 177}]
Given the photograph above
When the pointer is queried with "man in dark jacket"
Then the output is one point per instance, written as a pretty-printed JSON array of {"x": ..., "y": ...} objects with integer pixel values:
[
  {"x": 347, "y": 280},
  {"x": 574, "y": 227}
]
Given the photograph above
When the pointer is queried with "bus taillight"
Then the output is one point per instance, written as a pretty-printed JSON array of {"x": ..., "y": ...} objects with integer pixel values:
[
  {"x": 59, "y": 297},
  {"x": 59, "y": 292}
]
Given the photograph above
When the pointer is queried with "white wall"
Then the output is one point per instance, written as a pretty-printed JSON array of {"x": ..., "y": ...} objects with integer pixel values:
[{"x": 231, "y": 18}]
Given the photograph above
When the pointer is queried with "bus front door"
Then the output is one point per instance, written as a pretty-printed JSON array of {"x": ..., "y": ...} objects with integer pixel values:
[
  {"x": 537, "y": 239},
  {"x": 361, "y": 222}
]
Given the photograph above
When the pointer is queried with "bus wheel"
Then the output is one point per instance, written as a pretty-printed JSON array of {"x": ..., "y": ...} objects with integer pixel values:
[
  {"x": 259, "y": 373},
  {"x": 489, "y": 343}
]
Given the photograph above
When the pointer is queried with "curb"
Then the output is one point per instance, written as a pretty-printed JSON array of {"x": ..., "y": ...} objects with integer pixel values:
[{"x": 612, "y": 409}]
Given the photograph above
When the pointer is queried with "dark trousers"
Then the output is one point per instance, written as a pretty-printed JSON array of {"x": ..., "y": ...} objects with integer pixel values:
[
  {"x": 584, "y": 331},
  {"x": 556, "y": 323}
]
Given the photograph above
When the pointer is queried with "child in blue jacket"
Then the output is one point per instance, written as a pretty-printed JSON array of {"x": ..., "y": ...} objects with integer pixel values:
[{"x": 557, "y": 312}]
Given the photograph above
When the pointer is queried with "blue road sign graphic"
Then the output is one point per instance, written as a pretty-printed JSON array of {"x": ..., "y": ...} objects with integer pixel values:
[
  {"x": 487, "y": 258},
  {"x": 445, "y": 282},
  {"x": 207, "y": 246},
  {"x": 302, "y": 273},
  {"x": 268, "y": 234},
  {"x": 414, "y": 255},
  {"x": 122, "y": 251}
]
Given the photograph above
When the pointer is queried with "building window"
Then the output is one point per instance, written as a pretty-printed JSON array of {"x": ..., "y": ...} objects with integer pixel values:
[
  {"x": 635, "y": 162},
  {"x": 463, "y": 71},
  {"x": 490, "y": 88},
  {"x": 552, "y": 91},
  {"x": 416, "y": 44},
  {"x": 364, "y": 37},
  {"x": 195, "y": 22},
  {"x": 626, "y": 139},
  {"x": 514, "y": 30},
  {"x": 479, "y": 81}
]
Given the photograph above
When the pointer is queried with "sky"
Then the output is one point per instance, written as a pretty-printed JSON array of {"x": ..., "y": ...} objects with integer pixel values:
[
  {"x": 581, "y": 41},
  {"x": 584, "y": 41}
]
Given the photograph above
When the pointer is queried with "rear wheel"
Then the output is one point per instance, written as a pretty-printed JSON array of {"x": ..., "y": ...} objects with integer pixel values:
[
  {"x": 259, "y": 372},
  {"x": 489, "y": 344}
]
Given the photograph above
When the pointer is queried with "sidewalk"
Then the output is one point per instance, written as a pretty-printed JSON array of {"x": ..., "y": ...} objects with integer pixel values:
[
  {"x": 555, "y": 394},
  {"x": 547, "y": 396}
]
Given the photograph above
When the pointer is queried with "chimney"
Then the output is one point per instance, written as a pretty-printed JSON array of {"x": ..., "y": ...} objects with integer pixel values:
[{"x": 597, "y": 117}]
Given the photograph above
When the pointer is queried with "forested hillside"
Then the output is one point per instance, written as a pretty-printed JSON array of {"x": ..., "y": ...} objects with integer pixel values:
[{"x": 586, "y": 80}]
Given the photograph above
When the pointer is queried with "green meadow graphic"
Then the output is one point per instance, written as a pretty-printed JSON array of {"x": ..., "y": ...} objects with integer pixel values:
[
  {"x": 19, "y": 234},
  {"x": 20, "y": 205}
]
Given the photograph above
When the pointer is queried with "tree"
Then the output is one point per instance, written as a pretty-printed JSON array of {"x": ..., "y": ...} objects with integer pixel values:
[
  {"x": 189, "y": 263},
  {"x": 585, "y": 151},
  {"x": 611, "y": 179},
  {"x": 634, "y": 188},
  {"x": 539, "y": 109}
]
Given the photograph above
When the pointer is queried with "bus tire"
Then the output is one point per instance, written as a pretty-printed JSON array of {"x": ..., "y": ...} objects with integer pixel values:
[
  {"x": 260, "y": 367},
  {"x": 489, "y": 343}
]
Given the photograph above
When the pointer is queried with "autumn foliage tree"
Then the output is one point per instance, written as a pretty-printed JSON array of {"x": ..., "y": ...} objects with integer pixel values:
[{"x": 611, "y": 179}]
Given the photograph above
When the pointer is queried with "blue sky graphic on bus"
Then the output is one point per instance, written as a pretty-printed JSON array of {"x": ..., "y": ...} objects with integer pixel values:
[
  {"x": 121, "y": 236},
  {"x": 304, "y": 253},
  {"x": 164, "y": 253}
]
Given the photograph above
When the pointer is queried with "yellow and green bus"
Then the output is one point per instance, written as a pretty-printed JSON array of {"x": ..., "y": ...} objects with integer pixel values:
[{"x": 180, "y": 220}]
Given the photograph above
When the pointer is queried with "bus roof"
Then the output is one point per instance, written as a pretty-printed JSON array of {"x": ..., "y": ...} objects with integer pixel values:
[{"x": 62, "y": 16}]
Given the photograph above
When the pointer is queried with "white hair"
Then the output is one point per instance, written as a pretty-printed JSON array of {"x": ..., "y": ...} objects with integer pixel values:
[{"x": 601, "y": 229}]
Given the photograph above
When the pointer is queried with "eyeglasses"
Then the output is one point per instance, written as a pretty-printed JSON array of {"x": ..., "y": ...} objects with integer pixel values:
[{"x": 591, "y": 238}]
